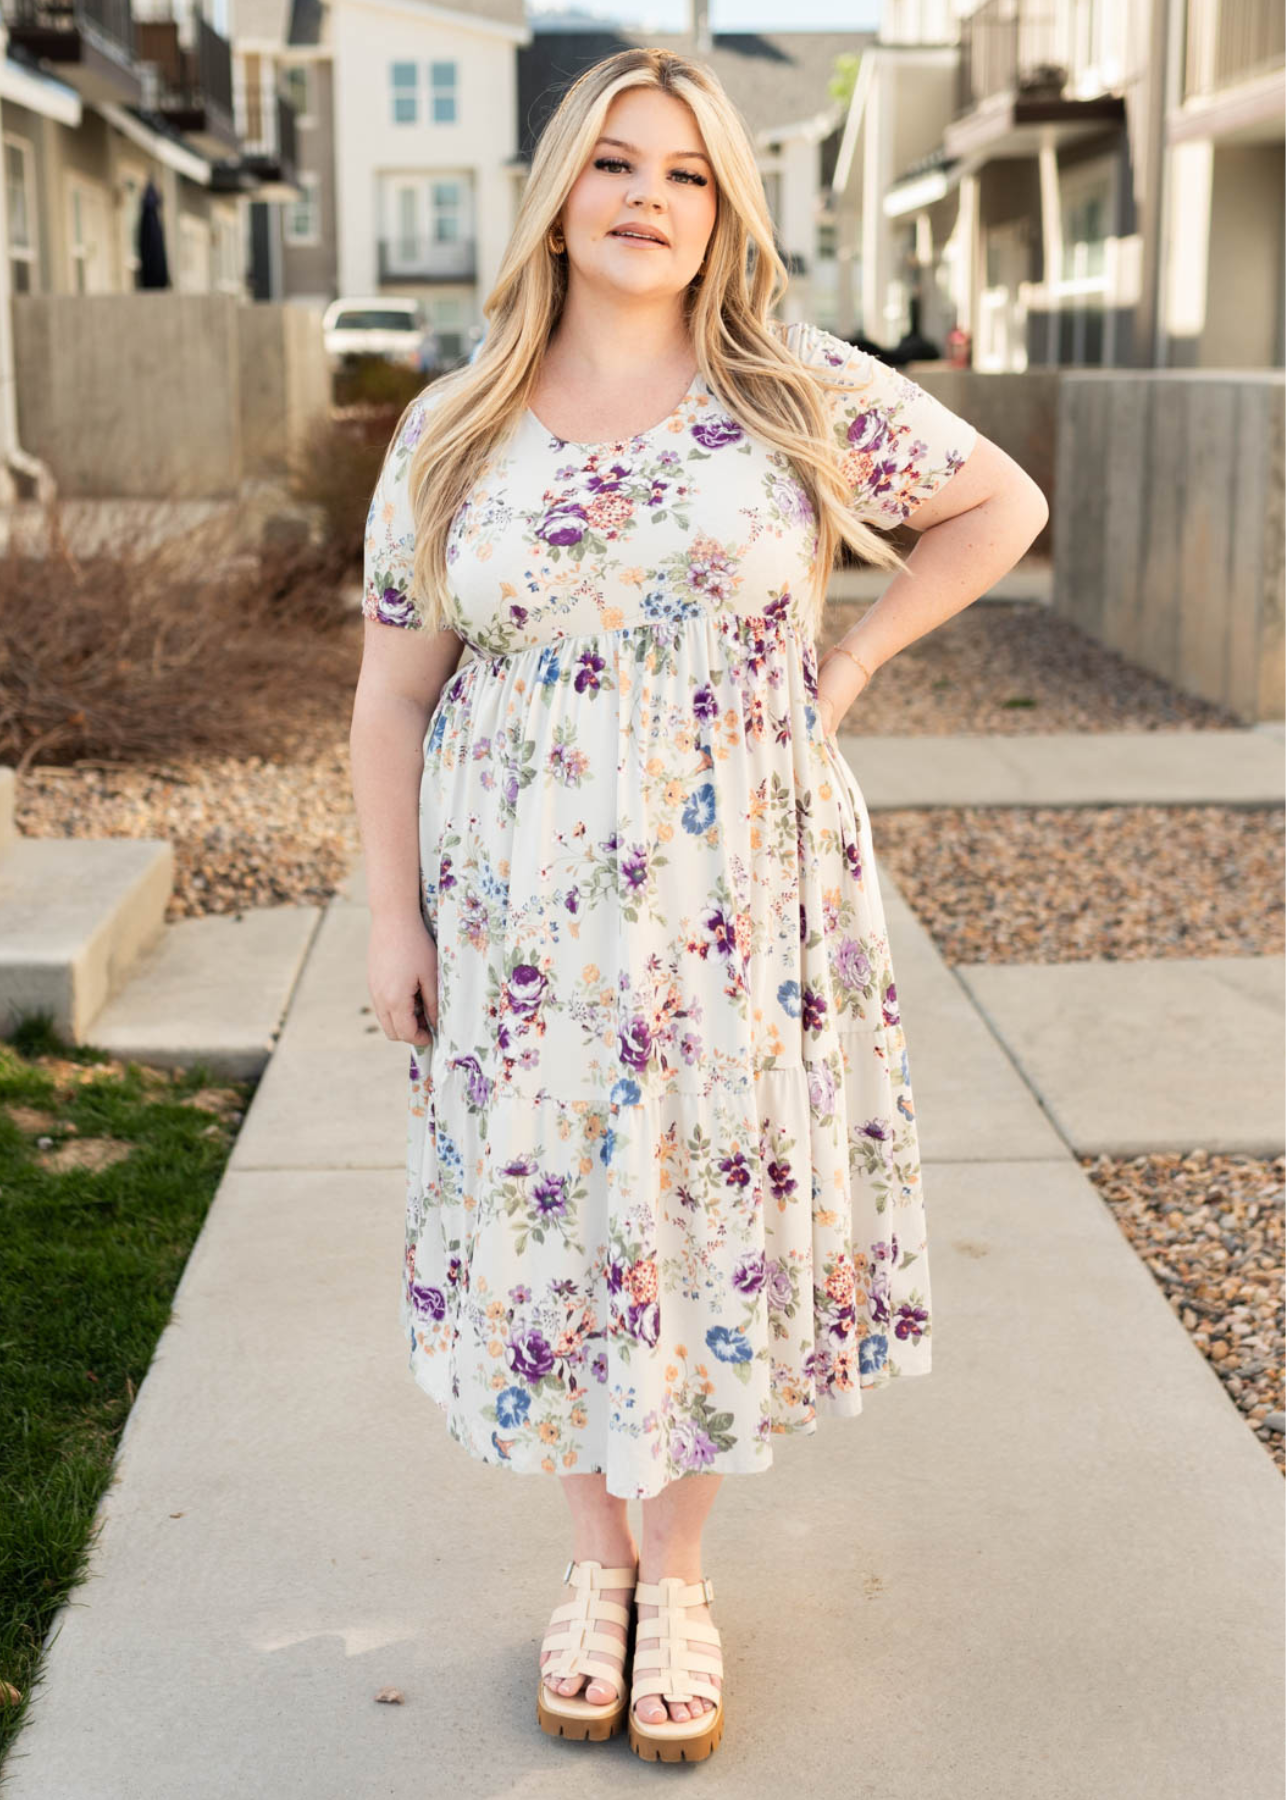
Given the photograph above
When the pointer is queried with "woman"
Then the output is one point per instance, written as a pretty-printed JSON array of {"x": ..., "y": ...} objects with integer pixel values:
[{"x": 664, "y": 1193}]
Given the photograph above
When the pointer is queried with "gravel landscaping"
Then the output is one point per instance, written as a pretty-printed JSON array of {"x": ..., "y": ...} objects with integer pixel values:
[
  {"x": 1012, "y": 667},
  {"x": 1057, "y": 884},
  {"x": 1211, "y": 1230}
]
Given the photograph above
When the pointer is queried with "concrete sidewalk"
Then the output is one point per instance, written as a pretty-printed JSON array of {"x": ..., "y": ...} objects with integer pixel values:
[
  {"x": 1051, "y": 1570},
  {"x": 1072, "y": 768}
]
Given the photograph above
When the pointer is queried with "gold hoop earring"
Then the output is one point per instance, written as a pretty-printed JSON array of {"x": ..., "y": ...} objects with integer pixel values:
[{"x": 558, "y": 247}]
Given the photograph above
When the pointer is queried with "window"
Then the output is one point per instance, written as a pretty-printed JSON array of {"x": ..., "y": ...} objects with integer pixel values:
[
  {"x": 442, "y": 93},
  {"x": 302, "y": 222},
  {"x": 19, "y": 173},
  {"x": 405, "y": 92},
  {"x": 297, "y": 84},
  {"x": 448, "y": 204}
]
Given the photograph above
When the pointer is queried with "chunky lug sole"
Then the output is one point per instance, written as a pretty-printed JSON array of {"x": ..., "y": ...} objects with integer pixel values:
[
  {"x": 571, "y": 1634},
  {"x": 675, "y": 1656}
]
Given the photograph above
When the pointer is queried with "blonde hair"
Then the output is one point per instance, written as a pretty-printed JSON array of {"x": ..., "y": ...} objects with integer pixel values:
[{"x": 740, "y": 352}]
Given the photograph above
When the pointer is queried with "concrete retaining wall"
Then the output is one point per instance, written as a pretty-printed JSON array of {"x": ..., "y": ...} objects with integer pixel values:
[
  {"x": 1168, "y": 512},
  {"x": 164, "y": 395}
]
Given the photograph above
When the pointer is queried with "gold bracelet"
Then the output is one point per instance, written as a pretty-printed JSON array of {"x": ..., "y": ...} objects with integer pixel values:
[{"x": 840, "y": 650}]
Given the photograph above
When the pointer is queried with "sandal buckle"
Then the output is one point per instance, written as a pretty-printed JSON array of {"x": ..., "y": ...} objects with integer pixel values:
[
  {"x": 567, "y": 1572},
  {"x": 708, "y": 1588}
]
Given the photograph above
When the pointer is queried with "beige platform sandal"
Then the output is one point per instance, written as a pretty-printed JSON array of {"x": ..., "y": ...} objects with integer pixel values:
[
  {"x": 572, "y": 1636},
  {"x": 668, "y": 1661}
]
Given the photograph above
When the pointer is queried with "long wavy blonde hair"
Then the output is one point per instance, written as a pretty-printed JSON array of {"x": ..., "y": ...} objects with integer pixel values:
[{"x": 740, "y": 352}]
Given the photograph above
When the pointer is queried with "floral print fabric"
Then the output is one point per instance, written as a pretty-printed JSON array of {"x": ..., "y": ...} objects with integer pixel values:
[{"x": 664, "y": 1196}]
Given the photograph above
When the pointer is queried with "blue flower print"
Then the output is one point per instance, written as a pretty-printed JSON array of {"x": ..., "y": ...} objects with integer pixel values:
[
  {"x": 729, "y": 1345},
  {"x": 788, "y": 998},
  {"x": 512, "y": 1406},
  {"x": 698, "y": 814}
]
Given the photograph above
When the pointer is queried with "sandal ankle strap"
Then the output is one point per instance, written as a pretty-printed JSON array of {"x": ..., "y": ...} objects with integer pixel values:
[
  {"x": 672, "y": 1590},
  {"x": 596, "y": 1576}
]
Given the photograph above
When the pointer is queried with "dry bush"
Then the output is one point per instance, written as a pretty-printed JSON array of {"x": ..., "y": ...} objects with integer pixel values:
[{"x": 144, "y": 650}]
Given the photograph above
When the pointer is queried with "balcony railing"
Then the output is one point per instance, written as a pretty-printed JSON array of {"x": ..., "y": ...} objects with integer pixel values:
[
  {"x": 92, "y": 42},
  {"x": 419, "y": 258},
  {"x": 1229, "y": 41},
  {"x": 193, "y": 86},
  {"x": 1004, "y": 48}
]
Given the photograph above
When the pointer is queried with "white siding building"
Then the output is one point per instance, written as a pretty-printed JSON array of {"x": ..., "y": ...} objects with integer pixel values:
[{"x": 425, "y": 148}]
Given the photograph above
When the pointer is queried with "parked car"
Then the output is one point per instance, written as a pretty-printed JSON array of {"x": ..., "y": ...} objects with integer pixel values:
[{"x": 389, "y": 327}]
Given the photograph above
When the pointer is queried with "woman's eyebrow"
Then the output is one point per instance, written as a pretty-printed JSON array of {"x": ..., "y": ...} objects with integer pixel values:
[{"x": 633, "y": 148}]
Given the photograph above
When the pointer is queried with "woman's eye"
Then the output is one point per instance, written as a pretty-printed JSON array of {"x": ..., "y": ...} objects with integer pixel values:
[{"x": 609, "y": 163}]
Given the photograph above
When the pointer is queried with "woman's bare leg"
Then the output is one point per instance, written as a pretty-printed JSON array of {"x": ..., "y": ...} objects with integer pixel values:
[
  {"x": 600, "y": 1533},
  {"x": 672, "y": 1523}
]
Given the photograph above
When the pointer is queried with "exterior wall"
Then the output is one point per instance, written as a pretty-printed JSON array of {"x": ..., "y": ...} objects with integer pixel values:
[
  {"x": 164, "y": 395},
  {"x": 1232, "y": 210},
  {"x": 369, "y": 146},
  {"x": 1169, "y": 507},
  {"x": 311, "y": 270}
]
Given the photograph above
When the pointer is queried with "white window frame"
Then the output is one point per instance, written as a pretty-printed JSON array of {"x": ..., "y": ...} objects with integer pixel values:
[
  {"x": 456, "y": 211},
  {"x": 448, "y": 90},
  {"x": 28, "y": 253},
  {"x": 400, "y": 91},
  {"x": 311, "y": 182}
]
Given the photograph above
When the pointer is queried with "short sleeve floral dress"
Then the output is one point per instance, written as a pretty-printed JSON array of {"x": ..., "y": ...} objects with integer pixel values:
[{"x": 664, "y": 1194}]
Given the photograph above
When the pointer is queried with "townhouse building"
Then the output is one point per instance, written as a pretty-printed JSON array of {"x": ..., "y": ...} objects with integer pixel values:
[{"x": 1071, "y": 182}]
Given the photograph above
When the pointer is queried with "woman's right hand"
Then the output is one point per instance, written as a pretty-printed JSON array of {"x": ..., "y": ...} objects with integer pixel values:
[{"x": 402, "y": 975}]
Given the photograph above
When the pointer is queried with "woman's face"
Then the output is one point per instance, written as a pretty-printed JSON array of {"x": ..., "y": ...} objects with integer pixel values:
[{"x": 648, "y": 173}]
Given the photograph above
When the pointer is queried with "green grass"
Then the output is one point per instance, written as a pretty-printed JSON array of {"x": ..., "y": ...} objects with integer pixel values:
[{"x": 89, "y": 1261}]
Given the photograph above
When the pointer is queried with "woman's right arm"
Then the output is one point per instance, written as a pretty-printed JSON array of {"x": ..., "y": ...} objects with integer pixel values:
[{"x": 402, "y": 675}]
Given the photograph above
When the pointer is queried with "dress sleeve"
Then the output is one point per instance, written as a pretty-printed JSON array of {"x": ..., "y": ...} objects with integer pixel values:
[
  {"x": 390, "y": 532},
  {"x": 897, "y": 443}
]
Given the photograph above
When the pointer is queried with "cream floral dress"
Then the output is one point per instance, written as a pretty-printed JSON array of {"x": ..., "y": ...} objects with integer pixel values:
[{"x": 664, "y": 1192}]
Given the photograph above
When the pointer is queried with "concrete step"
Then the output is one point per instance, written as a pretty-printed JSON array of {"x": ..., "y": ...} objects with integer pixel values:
[
  {"x": 75, "y": 916},
  {"x": 212, "y": 991},
  {"x": 1128, "y": 1058},
  {"x": 1242, "y": 767}
]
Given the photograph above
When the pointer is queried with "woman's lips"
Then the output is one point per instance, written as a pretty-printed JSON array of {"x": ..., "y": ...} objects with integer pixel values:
[{"x": 653, "y": 243}]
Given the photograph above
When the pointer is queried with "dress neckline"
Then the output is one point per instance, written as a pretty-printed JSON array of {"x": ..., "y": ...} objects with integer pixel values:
[{"x": 694, "y": 386}]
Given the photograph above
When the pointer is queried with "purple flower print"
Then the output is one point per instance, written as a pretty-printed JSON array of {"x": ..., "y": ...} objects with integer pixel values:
[
  {"x": 414, "y": 429},
  {"x": 550, "y": 1195},
  {"x": 852, "y": 964},
  {"x": 644, "y": 1322},
  {"x": 720, "y": 927},
  {"x": 891, "y": 1014},
  {"x": 636, "y": 1044},
  {"x": 853, "y": 859},
  {"x": 564, "y": 525},
  {"x": 572, "y": 900},
  {"x": 704, "y": 704},
  {"x": 690, "y": 1447},
  {"x": 868, "y": 430},
  {"x": 748, "y": 1276},
  {"x": 821, "y": 1089},
  {"x": 875, "y": 1128},
  {"x": 911, "y": 1321},
  {"x": 394, "y": 607},
  {"x": 589, "y": 667},
  {"x": 477, "y": 1086},
  {"x": 429, "y": 1302},
  {"x": 521, "y": 1165},
  {"x": 633, "y": 866},
  {"x": 777, "y": 1284},
  {"x": 528, "y": 1355},
  {"x": 814, "y": 1010},
  {"x": 598, "y": 1368},
  {"x": 782, "y": 1183},
  {"x": 526, "y": 989},
  {"x": 735, "y": 1170},
  {"x": 713, "y": 434}
]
